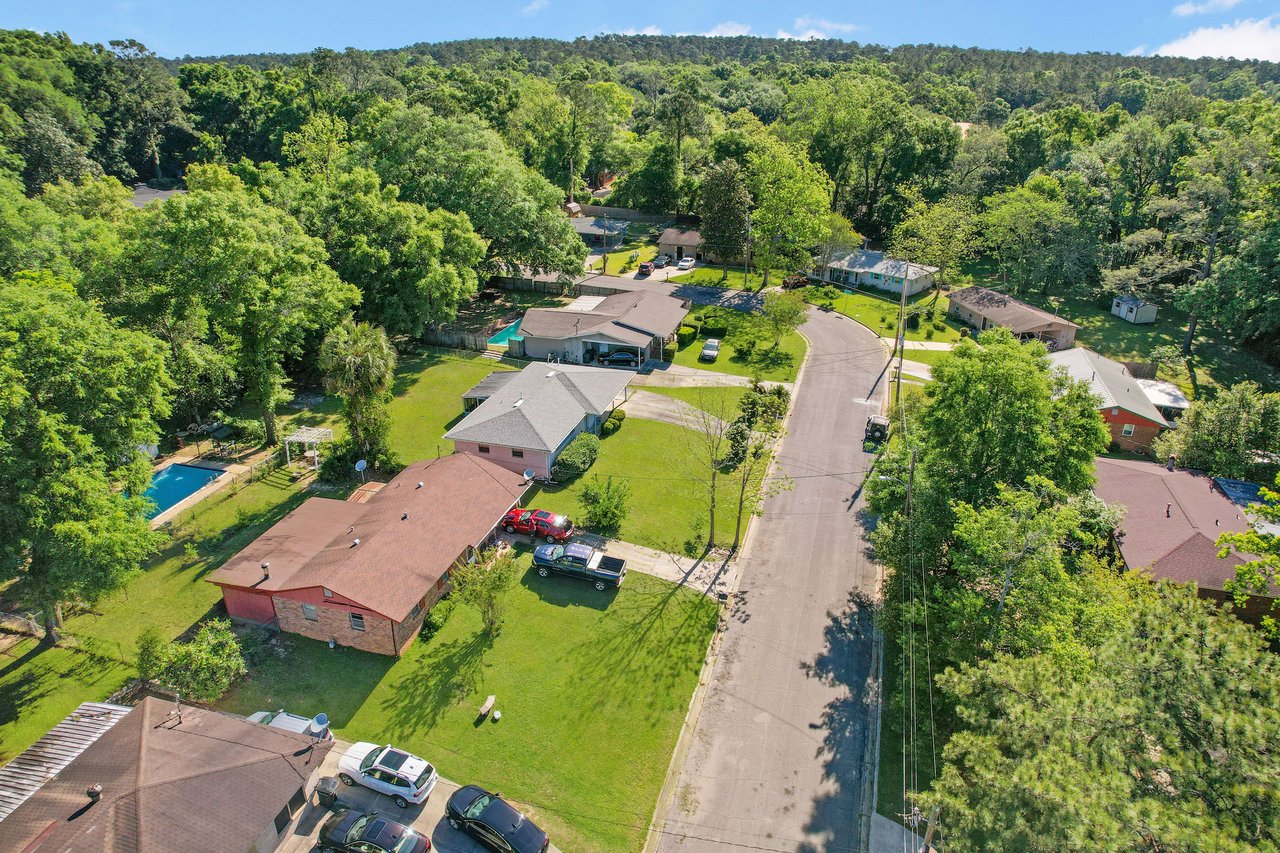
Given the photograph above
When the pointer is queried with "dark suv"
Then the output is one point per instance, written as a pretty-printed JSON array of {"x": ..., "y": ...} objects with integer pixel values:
[
  {"x": 493, "y": 822},
  {"x": 346, "y": 830}
]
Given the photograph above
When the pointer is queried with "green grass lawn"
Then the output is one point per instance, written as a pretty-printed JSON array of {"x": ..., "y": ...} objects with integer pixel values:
[
  {"x": 1216, "y": 361},
  {"x": 714, "y": 399},
  {"x": 428, "y": 400},
  {"x": 592, "y": 686},
  {"x": 926, "y": 356},
  {"x": 710, "y": 275},
  {"x": 645, "y": 251},
  {"x": 667, "y": 501},
  {"x": 880, "y": 314},
  {"x": 764, "y": 361}
]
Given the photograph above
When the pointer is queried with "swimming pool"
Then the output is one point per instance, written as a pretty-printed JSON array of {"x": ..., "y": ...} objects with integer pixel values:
[
  {"x": 177, "y": 482},
  {"x": 501, "y": 337}
]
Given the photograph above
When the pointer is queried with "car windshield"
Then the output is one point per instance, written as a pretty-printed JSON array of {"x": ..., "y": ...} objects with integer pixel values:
[
  {"x": 425, "y": 777},
  {"x": 370, "y": 758},
  {"x": 357, "y": 829},
  {"x": 525, "y": 516},
  {"x": 478, "y": 806},
  {"x": 556, "y": 553}
]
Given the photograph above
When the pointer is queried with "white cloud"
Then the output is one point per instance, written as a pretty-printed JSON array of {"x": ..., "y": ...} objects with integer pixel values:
[
  {"x": 534, "y": 7},
  {"x": 1247, "y": 39},
  {"x": 1140, "y": 50},
  {"x": 729, "y": 28},
  {"x": 650, "y": 30},
  {"x": 806, "y": 28},
  {"x": 1183, "y": 10}
]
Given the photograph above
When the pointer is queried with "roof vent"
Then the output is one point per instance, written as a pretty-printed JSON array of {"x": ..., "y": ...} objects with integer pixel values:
[
  {"x": 355, "y": 543},
  {"x": 266, "y": 571},
  {"x": 517, "y": 403},
  {"x": 351, "y": 529},
  {"x": 419, "y": 486},
  {"x": 404, "y": 516},
  {"x": 94, "y": 793}
]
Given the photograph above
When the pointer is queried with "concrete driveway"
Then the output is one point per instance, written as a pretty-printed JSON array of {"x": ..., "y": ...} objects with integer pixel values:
[
  {"x": 427, "y": 818},
  {"x": 781, "y": 754},
  {"x": 660, "y": 407}
]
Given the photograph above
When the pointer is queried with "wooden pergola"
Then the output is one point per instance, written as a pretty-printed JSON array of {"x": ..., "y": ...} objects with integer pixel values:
[{"x": 310, "y": 438}]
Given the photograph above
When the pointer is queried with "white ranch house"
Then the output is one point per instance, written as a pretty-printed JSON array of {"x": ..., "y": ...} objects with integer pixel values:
[{"x": 865, "y": 268}]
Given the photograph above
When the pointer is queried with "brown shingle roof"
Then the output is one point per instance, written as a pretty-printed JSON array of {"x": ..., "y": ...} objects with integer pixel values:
[
  {"x": 633, "y": 316},
  {"x": 686, "y": 237},
  {"x": 1013, "y": 314},
  {"x": 1180, "y": 545},
  {"x": 398, "y": 559},
  {"x": 207, "y": 782}
]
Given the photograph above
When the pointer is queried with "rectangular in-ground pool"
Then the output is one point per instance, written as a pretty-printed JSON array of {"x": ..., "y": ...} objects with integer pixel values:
[
  {"x": 177, "y": 482},
  {"x": 503, "y": 335}
]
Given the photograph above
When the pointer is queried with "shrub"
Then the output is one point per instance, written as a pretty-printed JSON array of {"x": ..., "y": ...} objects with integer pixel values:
[
  {"x": 739, "y": 435},
  {"x": 604, "y": 504},
  {"x": 436, "y": 617},
  {"x": 669, "y": 352},
  {"x": 686, "y": 335},
  {"x": 939, "y": 325},
  {"x": 928, "y": 333},
  {"x": 714, "y": 326},
  {"x": 575, "y": 459},
  {"x": 610, "y": 426},
  {"x": 202, "y": 669},
  {"x": 150, "y": 660},
  {"x": 745, "y": 348},
  {"x": 781, "y": 392},
  {"x": 619, "y": 415}
]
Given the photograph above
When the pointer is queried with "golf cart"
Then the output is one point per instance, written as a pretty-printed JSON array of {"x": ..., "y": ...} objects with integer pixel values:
[{"x": 877, "y": 429}]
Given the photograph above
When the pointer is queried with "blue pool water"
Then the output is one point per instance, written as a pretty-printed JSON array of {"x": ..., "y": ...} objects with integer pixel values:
[
  {"x": 503, "y": 335},
  {"x": 175, "y": 482}
]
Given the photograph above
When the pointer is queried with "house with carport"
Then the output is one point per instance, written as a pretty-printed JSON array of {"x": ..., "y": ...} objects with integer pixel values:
[
  {"x": 638, "y": 322},
  {"x": 1134, "y": 421},
  {"x": 364, "y": 574},
  {"x": 524, "y": 420},
  {"x": 865, "y": 268},
  {"x": 983, "y": 308}
]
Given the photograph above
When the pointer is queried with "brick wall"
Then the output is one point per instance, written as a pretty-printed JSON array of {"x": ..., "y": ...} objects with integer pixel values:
[
  {"x": 334, "y": 623},
  {"x": 1144, "y": 432}
]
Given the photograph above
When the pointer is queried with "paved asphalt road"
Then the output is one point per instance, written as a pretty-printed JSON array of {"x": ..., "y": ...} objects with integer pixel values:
[{"x": 776, "y": 758}]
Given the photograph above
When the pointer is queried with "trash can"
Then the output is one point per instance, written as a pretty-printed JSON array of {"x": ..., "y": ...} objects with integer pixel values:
[{"x": 327, "y": 791}]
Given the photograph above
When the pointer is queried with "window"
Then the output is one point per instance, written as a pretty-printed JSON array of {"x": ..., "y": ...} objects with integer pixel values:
[
  {"x": 328, "y": 593},
  {"x": 517, "y": 454},
  {"x": 282, "y": 820},
  {"x": 417, "y": 608},
  {"x": 310, "y": 613},
  {"x": 357, "y": 622},
  {"x": 1127, "y": 429},
  {"x": 483, "y": 448}
]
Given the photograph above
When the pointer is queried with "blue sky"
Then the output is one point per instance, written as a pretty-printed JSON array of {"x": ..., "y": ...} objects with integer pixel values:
[{"x": 1184, "y": 27}]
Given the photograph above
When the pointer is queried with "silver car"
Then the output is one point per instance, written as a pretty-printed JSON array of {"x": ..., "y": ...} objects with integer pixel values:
[
  {"x": 402, "y": 776},
  {"x": 710, "y": 350}
]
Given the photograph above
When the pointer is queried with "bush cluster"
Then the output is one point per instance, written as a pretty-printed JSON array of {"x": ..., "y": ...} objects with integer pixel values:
[
  {"x": 685, "y": 335},
  {"x": 614, "y": 423},
  {"x": 575, "y": 459}
]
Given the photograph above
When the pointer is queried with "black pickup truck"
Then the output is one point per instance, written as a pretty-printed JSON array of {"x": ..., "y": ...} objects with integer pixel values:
[{"x": 580, "y": 561}]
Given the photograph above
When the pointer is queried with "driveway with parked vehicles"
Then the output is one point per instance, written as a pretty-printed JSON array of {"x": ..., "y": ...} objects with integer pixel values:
[{"x": 580, "y": 561}]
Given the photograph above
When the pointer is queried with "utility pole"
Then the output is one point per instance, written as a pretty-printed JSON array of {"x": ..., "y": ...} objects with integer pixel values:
[
  {"x": 911, "y": 482},
  {"x": 901, "y": 343},
  {"x": 927, "y": 845}
]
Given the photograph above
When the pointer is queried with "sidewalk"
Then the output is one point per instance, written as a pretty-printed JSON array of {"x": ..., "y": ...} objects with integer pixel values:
[
  {"x": 679, "y": 376},
  {"x": 933, "y": 345}
]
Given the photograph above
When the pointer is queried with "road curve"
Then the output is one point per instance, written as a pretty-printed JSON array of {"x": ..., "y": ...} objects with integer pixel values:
[{"x": 775, "y": 760}]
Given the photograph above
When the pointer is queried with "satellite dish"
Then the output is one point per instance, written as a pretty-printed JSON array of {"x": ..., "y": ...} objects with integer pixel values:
[
  {"x": 320, "y": 722},
  {"x": 361, "y": 465},
  {"x": 528, "y": 473}
]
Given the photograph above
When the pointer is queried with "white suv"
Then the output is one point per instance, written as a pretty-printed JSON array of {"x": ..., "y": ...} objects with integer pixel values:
[{"x": 402, "y": 776}]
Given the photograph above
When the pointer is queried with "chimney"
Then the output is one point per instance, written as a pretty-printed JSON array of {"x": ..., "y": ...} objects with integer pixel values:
[
  {"x": 266, "y": 571},
  {"x": 419, "y": 486},
  {"x": 355, "y": 543}
]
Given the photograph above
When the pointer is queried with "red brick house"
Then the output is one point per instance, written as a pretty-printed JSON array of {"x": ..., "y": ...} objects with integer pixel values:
[
  {"x": 1171, "y": 527},
  {"x": 1134, "y": 421},
  {"x": 365, "y": 574}
]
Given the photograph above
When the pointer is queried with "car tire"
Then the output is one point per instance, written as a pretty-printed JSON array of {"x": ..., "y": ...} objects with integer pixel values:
[
  {"x": 551, "y": 540},
  {"x": 543, "y": 571},
  {"x": 346, "y": 780},
  {"x": 401, "y": 802},
  {"x": 455, "y": 823},
  {"x": 600, "y": 585},
  {"x": 509, "y": 529}
]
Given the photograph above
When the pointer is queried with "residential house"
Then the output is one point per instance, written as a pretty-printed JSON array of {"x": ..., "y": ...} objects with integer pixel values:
[
  {"x": 600, "y": 231},
  {"x": 983, "y": 308},
  {"x": 365, "y": 574},
  {"x": 863, "y": 268},
  {"x": 1173, "y": 518},
  {"x": 1134, "y": 421},
  {"x": 524, "y": 421},
  {"x": 157, "y": 777},
  {"x": 677, "y": 243},
  {"x": 1133, "y": 309},
  {"x": 635, "y": 321}
]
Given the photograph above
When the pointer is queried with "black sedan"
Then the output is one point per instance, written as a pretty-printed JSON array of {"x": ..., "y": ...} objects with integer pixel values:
[
  {"x": 493, "y": 822},
  {"x": 346, "y": 830},
  {"x": 621, "y": 358}
]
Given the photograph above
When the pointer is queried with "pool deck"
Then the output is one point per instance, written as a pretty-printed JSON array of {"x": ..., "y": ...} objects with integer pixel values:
[{"x": 188, "y": 456}]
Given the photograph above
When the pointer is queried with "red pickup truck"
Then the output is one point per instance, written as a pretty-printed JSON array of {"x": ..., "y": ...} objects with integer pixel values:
[{"x": 539, "y": 524}]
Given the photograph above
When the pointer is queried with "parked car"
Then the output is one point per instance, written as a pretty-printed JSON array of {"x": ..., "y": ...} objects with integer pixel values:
[
  {"x": 402, "y": 776},
  {"x": 710, "y": 350},
  {"x": 795, "y": 280},
  {"x": 685, "y": 264},
  {"x": 621, "y": 358},
  {"x": 538, "y": 523},
  {"x": 646, "y": 268},
  {"x": 494, "y": 822},
  {"x": 580, "y": 561},
  {"x": 346, "y": 830},
  {"x": 316, "y": 727},
  {"x": 661, "y": 261}
]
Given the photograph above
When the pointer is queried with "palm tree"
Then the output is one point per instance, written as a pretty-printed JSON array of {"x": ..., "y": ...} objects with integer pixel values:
[{"x": 359, "y": 364}]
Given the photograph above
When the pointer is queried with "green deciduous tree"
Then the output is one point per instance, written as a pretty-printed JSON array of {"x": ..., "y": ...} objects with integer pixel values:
[
  {"x": 484, "y": 584},
  {"x": 655, "y": 186},
  {"x": 789, "y": 218},
  {"x": 1227, "y": 435},
  {"x": 1260, "y": 573},
  {"x": 202, "y": 668},
  {"x": 78, "y": 396},
  {"x": 943, "y": 234},
  {"x": 604, "y": 504},
  {"x": 781, "y": 314}
]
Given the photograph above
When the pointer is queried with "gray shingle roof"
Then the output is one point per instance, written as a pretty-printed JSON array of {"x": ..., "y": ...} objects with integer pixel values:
[
  {"x": 862, "y": 260},
  {"x": 1013, "y": 314},
  {"x": 1110, "y": 380},
  {"x": 680, "y": 237},
  {"x": 540, "y": 407},
  {"x": 485, "y": 387},
  {"x": 632, "y": 317}
]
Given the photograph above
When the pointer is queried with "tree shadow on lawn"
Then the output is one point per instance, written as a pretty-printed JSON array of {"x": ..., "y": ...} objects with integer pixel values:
[
  {"x": 563, "y": 591},
  {"x": 845, "y": 662},
  {"x": 434, "y": 682},
  {"x": 626, "y": 651},
  {"x": 37, "y": 674},
  {"x": 763, "y": 360}
]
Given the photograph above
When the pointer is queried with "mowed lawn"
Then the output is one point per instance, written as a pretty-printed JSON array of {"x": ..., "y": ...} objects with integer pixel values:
[
  {"x": 718, "y": 399},
  {"x": 880, "y": 314},
  {"x": 712, "y": 275},
  {"x": 592, "y": 687},
  {"x": 668, "y": 493}
]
